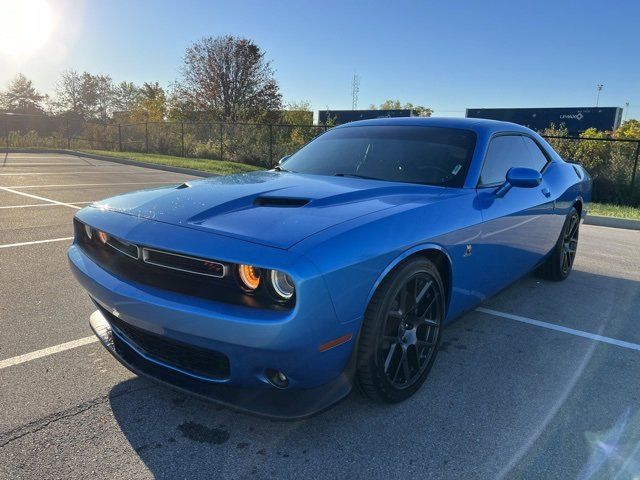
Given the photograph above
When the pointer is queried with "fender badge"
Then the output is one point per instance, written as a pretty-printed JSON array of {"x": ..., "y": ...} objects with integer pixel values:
[{"x": 467, "y": 251}]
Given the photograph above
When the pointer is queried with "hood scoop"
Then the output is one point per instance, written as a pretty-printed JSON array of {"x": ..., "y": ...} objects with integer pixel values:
[{"x": 283, "y": 202}]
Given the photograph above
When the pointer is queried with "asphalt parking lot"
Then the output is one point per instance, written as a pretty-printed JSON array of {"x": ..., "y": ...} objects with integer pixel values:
[{"x": 542, "y": 382}]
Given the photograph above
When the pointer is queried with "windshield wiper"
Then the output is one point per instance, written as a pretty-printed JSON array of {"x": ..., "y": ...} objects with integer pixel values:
[
  {"x": 278, "y": 168},
  {"x": 355, "y": 175}
]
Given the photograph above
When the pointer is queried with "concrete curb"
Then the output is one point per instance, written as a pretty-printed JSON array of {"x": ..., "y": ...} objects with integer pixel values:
[
  {"x": 123, "y": 160},
  {"x": 612, "y": 222}
]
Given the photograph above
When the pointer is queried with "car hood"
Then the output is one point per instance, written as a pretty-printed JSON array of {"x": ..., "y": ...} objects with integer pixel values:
[{"x": 272, "y": 208}]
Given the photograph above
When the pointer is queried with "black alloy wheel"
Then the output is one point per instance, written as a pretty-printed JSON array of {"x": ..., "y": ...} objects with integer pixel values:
[
  {"x": 401, "y": 331},
  {"x": 570, "y": 243},
  {"x": 411, "y": 329},
  {"x": 559, "y": 264}
]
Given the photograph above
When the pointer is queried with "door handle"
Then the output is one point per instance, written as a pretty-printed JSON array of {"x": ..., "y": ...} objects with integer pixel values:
[{"x": 546, "y": 192}]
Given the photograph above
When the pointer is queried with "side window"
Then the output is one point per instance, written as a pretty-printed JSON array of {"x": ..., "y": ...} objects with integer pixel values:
[
  {"x": 537, "y": 159},
  {"x": 508, "y": 151},
  {"x": 504, "y": 152}
]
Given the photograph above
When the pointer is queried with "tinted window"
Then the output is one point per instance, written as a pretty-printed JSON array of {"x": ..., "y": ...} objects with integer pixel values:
[
  {"x": 509, "y": 151},
  {"x": 537, "y": 159},
  {"x": 429, "y": 155}
]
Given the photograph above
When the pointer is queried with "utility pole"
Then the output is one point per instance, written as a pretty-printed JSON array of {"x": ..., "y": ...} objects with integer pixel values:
[
  {"x": 599, "y": 87},
  {"x": 355, "y": 88}
]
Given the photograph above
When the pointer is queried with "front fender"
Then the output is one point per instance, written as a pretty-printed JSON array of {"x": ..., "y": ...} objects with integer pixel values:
[{"x": 416, "y": 249}]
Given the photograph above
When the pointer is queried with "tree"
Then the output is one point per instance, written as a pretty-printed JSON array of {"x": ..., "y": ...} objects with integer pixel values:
[
  {"x": 229, "y": 77},
  {"x": 85, "y": 95},
  {"x": 181, "y": 107},
  {"x": 297, "y": 113},
  {"x": 629, "y": 129},
  {"x": 151, "y": 105},
  {"x": 419, "y": 110},
  {"x": 77, "y": 93},
  {"x": 125, "y": 96},
  {"x": 21, "y": 96},
  {"x": 104, "y": 96},
  {"x": 67, "y": 98},
  {"x": 152, "y": 91}
]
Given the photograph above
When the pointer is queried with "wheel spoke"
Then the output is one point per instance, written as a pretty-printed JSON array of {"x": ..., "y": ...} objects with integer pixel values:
[
  {"x": 574, "y": 229},
  {"x": 399, "y": 367},
  {"x": 424, "y": 344},
  {"x": 430, "y": 322},
  {"x": 405, "y": 367},
  {"x": 426, "y": 310},
  {"x": 392, "y": 350},
  {"x": 404, "y": 307},
  {"x": 410, "y": 298},
  {"x": 423, "y": 292}
]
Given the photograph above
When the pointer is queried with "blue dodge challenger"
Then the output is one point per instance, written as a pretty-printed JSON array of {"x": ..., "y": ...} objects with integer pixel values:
[{"x": 275, "y": 292}]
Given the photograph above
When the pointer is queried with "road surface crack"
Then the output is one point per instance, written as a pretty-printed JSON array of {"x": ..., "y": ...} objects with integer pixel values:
[{"x": 35, "y": 426}]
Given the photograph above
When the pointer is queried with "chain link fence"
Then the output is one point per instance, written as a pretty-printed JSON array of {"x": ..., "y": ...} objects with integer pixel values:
[
  {"x": 257, "y": 144},
  {"x": 612, "y": 163}
]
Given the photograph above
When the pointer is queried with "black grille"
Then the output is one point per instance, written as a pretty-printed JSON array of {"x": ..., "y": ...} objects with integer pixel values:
[
  {"x": 202, "y": 280},
  {"x": 196, "y": 360},
  {"x": 183, "y": 263}
]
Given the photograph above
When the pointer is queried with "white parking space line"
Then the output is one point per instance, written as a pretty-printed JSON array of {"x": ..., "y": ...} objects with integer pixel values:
[
  {"x": 559, "y": 328},
  {"x": 42, "y": 205},
  {"x": 36, "y": 197},
  {"x": 89, "y": 172},
  {"x": 27, "y": 357},
  {"x": 45, "y": 352},
  {"x": 41, "y": 164},
  {"x": 71, "y": 185},
  {"x": 35, "y": 242}
]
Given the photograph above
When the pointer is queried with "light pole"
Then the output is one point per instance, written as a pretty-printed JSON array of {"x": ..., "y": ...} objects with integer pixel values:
[{"x": 599, "y": 87}]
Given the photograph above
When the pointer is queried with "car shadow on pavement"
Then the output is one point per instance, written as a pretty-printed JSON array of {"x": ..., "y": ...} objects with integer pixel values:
[{"x": 504, "y": 398}]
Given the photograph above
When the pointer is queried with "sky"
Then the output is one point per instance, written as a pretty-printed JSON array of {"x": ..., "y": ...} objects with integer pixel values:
[{"x": 446, "y": 55}]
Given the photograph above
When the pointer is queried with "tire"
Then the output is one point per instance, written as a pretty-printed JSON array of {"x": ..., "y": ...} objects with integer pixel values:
[
  {"x": 413, "y": 332},
  {"x": 560, "y": 263}
]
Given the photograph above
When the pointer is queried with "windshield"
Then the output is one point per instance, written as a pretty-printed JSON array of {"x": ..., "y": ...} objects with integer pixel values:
[{"x": 429, "y": 155}]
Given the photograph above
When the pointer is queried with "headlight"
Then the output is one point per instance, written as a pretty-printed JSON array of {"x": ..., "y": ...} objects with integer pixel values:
[
  {"x": 103, "y": 237},
  {"x": 282, "y": 284},
  {"x": 88, "y": 231},
  {"x": 249, "y": 276}
]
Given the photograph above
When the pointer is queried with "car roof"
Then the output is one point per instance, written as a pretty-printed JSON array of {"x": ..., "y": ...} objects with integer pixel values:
[{"x": 478, "y": 125}]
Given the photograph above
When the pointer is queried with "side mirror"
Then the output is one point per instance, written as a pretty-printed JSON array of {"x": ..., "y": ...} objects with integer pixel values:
[
  {"x": 519, "y": 177},
  {"x": 524, "y": 177}
]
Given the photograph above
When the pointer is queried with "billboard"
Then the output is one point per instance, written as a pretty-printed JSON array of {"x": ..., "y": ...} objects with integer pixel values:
[
  {"x": 339, "y": 117},
  {"x": 576, "y": 119}
]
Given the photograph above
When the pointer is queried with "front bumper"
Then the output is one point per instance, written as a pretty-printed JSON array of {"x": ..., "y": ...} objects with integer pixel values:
[
  {"x": 273, "y": 403},
  {"x": 253, "y": 339}
]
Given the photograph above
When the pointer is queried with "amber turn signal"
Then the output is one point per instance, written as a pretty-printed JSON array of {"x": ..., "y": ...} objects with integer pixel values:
[{"x": 249, "y": 276}]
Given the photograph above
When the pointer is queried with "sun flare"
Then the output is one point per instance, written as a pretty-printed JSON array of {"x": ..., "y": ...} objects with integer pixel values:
[{"x": 25, "y": 26}]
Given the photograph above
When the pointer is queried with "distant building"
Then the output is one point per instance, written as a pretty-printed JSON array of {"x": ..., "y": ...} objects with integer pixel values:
[
  {"x": 575, "y": 119},
  {"x": 338, "y": 117}
]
